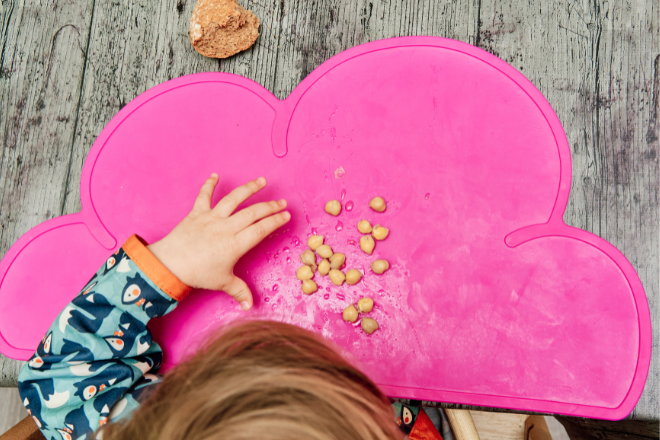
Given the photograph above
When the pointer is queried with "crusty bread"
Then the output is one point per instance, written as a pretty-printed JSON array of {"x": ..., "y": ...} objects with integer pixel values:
[{"x": 222, "y": 28}]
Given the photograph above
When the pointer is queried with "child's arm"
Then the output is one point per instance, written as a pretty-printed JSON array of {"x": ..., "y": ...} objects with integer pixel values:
[{"x": 98, "y": 356}]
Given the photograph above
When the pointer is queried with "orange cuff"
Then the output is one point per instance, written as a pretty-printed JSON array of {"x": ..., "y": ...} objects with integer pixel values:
[{"x": 136, "y": 248}]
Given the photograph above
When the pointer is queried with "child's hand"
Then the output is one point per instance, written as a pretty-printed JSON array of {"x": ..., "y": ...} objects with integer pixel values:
[{"x": 202, "y": 250}]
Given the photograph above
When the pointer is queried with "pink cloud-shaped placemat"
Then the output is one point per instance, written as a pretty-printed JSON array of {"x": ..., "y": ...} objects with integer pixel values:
[{"x": 491, "y": 298}]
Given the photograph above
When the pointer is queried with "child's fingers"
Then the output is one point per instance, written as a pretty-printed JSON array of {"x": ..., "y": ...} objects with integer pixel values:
[
  {"x": 230, "y": 202},
  {"x": 252, "y": 235},
  {"x": 241, "y": 293},
  {"x": 256, "y": 212},
  {"x": 203, "y": 201}
]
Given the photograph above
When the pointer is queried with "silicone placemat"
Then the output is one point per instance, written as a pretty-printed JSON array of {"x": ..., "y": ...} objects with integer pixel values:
[{"x": 491, "y": 299}]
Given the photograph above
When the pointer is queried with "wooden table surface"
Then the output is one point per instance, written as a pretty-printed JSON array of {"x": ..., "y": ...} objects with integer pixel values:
[{"x": 67, "y": 66}]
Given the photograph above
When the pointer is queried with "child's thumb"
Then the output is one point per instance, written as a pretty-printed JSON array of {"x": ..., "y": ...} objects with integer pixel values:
[{"x": 241, "y": 293}]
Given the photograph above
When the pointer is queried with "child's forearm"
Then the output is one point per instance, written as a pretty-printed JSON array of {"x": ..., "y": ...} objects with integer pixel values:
[{"x": 99, "y": 354}]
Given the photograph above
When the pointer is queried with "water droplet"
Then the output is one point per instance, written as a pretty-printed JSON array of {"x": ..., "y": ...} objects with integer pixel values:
[
  {"x": 288, "y": 259},
  {"x": 295, "y": 241},
  {"x": 314, "y": 231},
  {"x": 426, "y": 197},
  {"x": 276, "y": 287},
  {"x": 328, "y": 289},
  {"x": 266, "y": 299},
  {"x": 341, "y": 297},
  {"x": 277, "y": 255},
  {"x": 352, "y": 242},
  {"x": 349, "y": 205},
  {"x": 286, "y": 249},
  {"x": 326, "y": 296},
  {"x": 343, "y": 194},
  {"x": 339, "y": 226},
  {"x": 339, "y": 173}
]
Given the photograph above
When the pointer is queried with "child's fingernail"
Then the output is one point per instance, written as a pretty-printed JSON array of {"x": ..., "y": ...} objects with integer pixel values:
[
  {"x": 261, "y": 181},
  {"x": 245, "y": 305},
  {"x": 214, "y": 176},
  {"x": 286, "y": 215},
  {"x": 282, "y": 202}
]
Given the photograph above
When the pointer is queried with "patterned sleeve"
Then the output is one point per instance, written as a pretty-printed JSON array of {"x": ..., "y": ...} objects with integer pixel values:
[{"x": 98, "y": 356}]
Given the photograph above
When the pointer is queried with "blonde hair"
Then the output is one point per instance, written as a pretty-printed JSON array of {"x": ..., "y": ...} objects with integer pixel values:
[{"x": 262, "y": 380}]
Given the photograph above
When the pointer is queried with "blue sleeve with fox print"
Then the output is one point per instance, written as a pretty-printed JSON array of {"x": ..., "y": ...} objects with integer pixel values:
[{"x": 98, "y": 356}]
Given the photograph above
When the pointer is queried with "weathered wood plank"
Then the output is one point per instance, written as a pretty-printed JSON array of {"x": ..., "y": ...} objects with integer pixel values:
[
  {"x": 597, "y": 64},
  {"x": 42, "y": 56},
  {"x": 312, "y": 32},
  {"x": 11, "y": 409},
  {"x": 9, "y": 369}
]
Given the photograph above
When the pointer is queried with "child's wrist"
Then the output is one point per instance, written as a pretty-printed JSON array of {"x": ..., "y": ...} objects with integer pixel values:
[{"x": 168, "y": 259}]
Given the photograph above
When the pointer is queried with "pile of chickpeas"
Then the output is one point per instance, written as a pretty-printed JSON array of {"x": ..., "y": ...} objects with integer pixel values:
[{"x": 332, "y": 262}]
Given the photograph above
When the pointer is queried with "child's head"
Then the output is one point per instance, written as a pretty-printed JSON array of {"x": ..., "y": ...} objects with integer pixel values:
[{"x": 263, "y": 380}]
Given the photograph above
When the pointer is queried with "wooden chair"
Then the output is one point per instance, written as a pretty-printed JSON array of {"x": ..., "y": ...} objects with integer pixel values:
[
  {"x": 536, "y": 428},
  {"x": 26, "y": 429},
  {"x": 462, "y": 424}
]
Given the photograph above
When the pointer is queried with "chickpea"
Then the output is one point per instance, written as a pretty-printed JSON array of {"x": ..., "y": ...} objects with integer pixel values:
[
  {"x": 308, "y": 258},
  {"x": 378, "y": 204},
  {"x": 380, "y": 266},
  {"x": 337, "y": 260},
  {"x": 369, "y": 325},
  {"x": 315, "y": 241},
  {"x": 380, "y": 232},
  {"x": 333, "y": 207},
  {"x": 324, "y": 251},
  {"x": 353, "y": 276},
  {"x": 364, "y": 226},
  {"x": 350, "y": 314},
  {"x": 337, "y": 277},
  {"x": 309, "y": 287},
  {"x": 305, "y": 273},
  {"x": 324, "y": 267},
  {"x": 365, "y": 305},
  {"x": 367, "y": 244}
]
